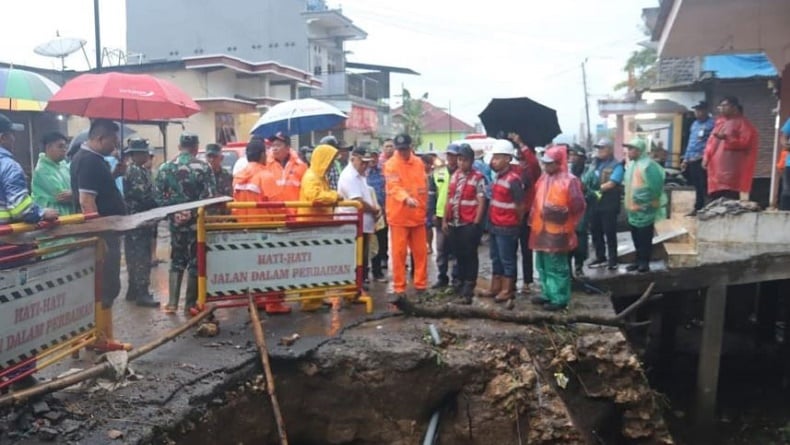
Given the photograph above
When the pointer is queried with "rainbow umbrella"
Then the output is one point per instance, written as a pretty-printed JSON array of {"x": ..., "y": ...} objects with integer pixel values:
[{"x": 22, "y": 90}]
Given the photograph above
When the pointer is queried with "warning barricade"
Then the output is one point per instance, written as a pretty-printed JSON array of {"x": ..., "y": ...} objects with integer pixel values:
[
  {"x": 288, "y": 252},
  {"x": 49, "y": 306}
]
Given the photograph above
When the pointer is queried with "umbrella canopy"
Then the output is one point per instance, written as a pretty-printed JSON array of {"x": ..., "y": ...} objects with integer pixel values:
[
  {"x": 536, "y": 123},
  {"x": 22, "y": 90},
  {"x": 298, "y": 117},
  {"x": 121, "y": 96}
]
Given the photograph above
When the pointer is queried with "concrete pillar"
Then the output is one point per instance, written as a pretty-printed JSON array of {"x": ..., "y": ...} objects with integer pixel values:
[{"x": 709, "y": 357}]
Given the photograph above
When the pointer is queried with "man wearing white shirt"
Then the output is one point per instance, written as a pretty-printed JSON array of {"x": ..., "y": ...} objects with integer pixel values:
[{"x": 352, "y": 186}]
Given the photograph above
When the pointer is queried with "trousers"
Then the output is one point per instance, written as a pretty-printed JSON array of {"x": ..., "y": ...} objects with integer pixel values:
[
  {"x": 404, "y": 239},
  {"x": 183, "y": 251},
  {"x": 464, "y": 241},
  {"x": 555, "y": 276},
  {"x": 138, "y": 261}
]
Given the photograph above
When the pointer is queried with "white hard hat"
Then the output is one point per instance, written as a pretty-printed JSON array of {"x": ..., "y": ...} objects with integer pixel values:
[{"x": 503, "y": 147}]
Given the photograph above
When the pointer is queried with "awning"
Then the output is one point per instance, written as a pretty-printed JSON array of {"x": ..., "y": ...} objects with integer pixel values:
[{"x": 689, "y": 28}]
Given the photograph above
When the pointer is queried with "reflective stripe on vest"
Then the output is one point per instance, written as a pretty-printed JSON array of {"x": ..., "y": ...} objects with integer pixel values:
[
  {"x": 248, "y": 188},
  {"x": 7, "y": 215},
  {"x": 467, "y": 205},
  {"x": 441, "y": 178},
  {"x": 503, "y": 207}
]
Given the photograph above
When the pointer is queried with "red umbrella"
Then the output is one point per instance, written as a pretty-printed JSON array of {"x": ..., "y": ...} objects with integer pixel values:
[{"x": 120, "y": 96}]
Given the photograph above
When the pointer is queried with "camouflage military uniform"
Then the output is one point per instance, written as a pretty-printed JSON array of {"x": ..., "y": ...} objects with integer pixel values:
[
  {"x": 139, "y": 197},
  {"x": 184, "y": 179},
  {"x": 224, "y": 188}
]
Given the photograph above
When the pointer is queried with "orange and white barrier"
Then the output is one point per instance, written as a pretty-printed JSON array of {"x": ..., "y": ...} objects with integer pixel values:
[
  {"x": 49, "y": 308},
  {"x": 281, "y": 257}
]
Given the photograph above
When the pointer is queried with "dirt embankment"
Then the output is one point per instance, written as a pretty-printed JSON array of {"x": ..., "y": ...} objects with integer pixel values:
[{"x": 493, "y": 383}]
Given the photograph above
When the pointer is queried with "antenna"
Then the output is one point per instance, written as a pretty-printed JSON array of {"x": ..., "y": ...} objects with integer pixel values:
[{"x": 61, "y": 47}]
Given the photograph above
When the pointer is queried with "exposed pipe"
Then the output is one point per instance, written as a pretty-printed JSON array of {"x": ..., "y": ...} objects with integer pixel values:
[
  {"x": 437, "y": 340},
  {"x": 432, "y": 433},
  {"x": 433, "y": 429}
]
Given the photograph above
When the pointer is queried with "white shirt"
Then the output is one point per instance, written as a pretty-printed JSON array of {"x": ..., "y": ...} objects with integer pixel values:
[
  {"x": 239, "y": 164},
  {"x": 352, "y": 186}
]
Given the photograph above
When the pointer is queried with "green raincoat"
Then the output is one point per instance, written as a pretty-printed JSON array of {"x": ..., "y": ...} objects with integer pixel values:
[
  {"x": 49, "y": 180},
  {"x": 644, "y": 188}
]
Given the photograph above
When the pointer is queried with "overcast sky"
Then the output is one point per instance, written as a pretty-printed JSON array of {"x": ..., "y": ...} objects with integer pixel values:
[{"x": 466, "y": 53}]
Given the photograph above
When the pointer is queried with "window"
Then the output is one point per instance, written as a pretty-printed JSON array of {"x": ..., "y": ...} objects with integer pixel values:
[{"x": 225, "y": 128}]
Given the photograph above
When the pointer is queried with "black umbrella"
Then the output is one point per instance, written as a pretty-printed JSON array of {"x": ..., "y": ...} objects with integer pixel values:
[{"x": 536, "y": 123}]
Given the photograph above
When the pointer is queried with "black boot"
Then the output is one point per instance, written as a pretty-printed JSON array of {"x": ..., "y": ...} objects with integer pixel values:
[
  {"x": 191, "y": 297},
  {"x": 147, "y": 300}
]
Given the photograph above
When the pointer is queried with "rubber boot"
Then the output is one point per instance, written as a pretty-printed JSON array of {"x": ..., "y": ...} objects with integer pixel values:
[
  {"x": 496, "y": 287},
  {"x": 192, "y": 291},
  {"x": 147, "y": 300},
  {"x": 174, "y": 287},
  {"x": 507, "y": 290}
]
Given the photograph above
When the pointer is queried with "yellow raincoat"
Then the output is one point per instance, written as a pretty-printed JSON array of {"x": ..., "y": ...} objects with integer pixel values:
[{"x": 315, "y": 187}]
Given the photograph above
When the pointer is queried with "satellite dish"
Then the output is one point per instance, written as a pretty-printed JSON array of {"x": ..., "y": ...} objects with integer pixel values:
[{"x": 61, "y": 47}]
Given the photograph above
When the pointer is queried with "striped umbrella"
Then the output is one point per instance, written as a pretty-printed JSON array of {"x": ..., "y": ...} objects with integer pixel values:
[{"x": 22, "y": 90}]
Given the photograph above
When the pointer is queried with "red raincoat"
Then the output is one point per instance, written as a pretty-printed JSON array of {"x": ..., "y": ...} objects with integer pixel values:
[
  {"x": 559, "y": 205},
  {"x": 731, "y": 161}
]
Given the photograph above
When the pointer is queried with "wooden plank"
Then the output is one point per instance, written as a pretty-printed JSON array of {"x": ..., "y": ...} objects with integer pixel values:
[
  {"x": 112, "y": 223},
  {"x": 710, "y": 357},
  {"x": 623, "y": 250}
]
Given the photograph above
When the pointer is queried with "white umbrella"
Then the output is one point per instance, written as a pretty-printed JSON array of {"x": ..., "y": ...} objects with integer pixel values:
[{"x": 298, "y": 117}]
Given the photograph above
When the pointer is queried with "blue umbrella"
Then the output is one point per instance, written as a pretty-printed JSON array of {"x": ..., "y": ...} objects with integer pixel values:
[{"x": 298, "y": 117}]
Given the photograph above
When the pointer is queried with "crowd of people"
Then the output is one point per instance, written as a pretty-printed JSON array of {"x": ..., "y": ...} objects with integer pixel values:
[{"x": 546, "y": 202}]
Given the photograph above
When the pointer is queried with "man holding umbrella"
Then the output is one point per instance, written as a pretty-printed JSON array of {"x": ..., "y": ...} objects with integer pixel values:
[{"x": 184, "y": 179}]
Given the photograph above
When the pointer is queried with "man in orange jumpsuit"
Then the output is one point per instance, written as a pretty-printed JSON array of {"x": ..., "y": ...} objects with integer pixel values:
[
  {"x": 286, "y": 168},
  {"x": 407, "y": 202}
]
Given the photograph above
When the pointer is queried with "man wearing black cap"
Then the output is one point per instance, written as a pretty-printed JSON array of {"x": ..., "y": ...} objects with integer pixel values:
[
  {"x": 223, "y": 178},
  {"x": 139, "y": 197},
  {"x": 692, "y": 159},
  {"x": 16, "y": 205},
  {"x": 286, "y": 168},
  {"x": 184, "y": 179},
  {"x": 407, "y": 199}
]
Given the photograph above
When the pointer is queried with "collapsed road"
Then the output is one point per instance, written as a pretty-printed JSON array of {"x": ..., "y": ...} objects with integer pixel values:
[{"x": 346, "y": 377}]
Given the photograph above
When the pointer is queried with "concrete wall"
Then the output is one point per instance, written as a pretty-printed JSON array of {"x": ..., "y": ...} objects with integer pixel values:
[
  {"x": 748, "y": 228},
  {"x": 253, "y": 30}
]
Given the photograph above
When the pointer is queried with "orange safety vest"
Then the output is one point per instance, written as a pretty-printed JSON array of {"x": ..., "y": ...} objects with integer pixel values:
[{"x": 287, "y": 179}]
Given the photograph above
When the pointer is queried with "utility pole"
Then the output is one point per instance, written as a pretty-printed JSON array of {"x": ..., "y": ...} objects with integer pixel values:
[
  {"x": 586, "y": 104},
  {"x": 97, "y": 34}
]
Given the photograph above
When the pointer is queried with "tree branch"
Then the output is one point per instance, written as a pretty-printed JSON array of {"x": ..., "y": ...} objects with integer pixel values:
[{"x": 521, "y": 317}]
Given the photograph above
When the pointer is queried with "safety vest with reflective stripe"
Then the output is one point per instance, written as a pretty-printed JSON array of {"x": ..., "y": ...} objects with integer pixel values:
[
  {"x": 466, "y": 202},
  {"x": 441, "y": 178},
  {"x": 15, "y": 202},
  {"x": 503, "y": 207}
]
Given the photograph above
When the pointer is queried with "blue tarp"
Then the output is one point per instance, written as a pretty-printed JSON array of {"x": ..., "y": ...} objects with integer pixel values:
[{"x": 739, "y": 66}]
